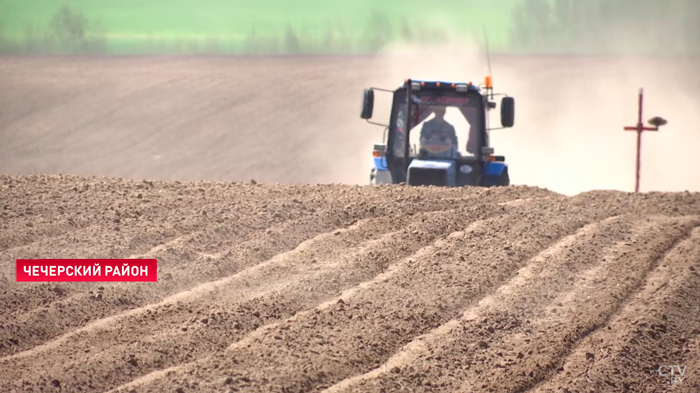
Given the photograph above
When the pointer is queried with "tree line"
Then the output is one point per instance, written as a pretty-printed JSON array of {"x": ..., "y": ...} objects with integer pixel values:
[{"x": 667, "y": 27}]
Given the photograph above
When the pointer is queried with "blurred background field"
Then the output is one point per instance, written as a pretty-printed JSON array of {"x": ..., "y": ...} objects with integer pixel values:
[
  {"x": 345, "y": 26},
  {"x": 270, "y": 26}
]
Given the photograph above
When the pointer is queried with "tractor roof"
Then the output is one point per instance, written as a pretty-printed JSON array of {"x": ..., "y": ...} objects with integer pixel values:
[{"x": 423, "y": 85}]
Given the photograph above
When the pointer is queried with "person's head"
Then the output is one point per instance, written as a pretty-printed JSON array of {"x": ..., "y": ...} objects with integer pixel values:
[{"x": 439, "y": 112}]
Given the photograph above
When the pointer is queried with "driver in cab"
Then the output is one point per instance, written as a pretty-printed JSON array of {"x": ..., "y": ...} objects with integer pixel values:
[{"x": 438, "y": 137}]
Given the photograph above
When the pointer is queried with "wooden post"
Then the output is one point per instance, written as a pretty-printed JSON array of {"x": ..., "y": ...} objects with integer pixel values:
[{"x": 639, "y": 128}]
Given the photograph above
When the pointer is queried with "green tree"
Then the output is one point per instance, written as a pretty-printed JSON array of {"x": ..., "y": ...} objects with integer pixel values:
[{"x": 67, "y": 27}]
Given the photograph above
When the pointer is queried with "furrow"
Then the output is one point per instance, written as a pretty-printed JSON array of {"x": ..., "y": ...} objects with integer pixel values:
[
  {"x": 362, "y": 329},
  {"x": 512, "y": 341},
  {"x": 315, "y": 271},
  {"x": 550, "y": 265},
  {"x": 177, "y": 272},
  {"x": 654, "y": 330}
]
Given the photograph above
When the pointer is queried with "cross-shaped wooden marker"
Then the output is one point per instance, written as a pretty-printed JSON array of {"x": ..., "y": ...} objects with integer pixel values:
[{"x": 656, "y": 122}]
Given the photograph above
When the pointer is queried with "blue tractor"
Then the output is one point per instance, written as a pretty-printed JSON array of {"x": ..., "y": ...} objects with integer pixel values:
[{"x": 438, "y": 159}]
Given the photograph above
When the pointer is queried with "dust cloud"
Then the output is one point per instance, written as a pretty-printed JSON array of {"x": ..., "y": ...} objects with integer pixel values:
[
  {"x": 570, "y": 113},
  {"x": 569, "y": 133},
  {"x": 296, "y": 119}
]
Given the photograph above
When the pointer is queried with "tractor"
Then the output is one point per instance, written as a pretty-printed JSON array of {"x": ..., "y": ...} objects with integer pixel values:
[{"x": 437, "y": 160}]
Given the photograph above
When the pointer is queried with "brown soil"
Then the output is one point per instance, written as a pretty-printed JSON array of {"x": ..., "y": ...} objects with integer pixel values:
[
  {"x": 310, "y": 288},
  {"x": 304, "y": 288}
]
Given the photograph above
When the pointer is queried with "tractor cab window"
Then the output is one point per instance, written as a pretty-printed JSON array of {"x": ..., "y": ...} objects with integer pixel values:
[{"x": 441, "y": 127}]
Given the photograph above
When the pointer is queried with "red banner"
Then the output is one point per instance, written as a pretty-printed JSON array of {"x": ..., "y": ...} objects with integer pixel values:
[{"x": 87, "y": 270}]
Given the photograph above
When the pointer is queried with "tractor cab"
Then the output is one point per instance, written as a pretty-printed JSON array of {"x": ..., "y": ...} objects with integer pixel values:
[{"x": 438, "y": 135}]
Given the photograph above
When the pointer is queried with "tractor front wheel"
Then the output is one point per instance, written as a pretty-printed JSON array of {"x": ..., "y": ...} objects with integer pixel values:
[{"x": 504, "y": 179}]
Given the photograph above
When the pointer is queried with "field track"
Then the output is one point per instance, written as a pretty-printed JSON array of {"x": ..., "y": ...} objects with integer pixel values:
[{"x": 305, "y": 287}]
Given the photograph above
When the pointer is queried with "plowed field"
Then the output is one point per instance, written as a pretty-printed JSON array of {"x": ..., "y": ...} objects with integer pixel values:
[
  {"x": 321, "y": 288},
  {"x": 348, "y": 288}
]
